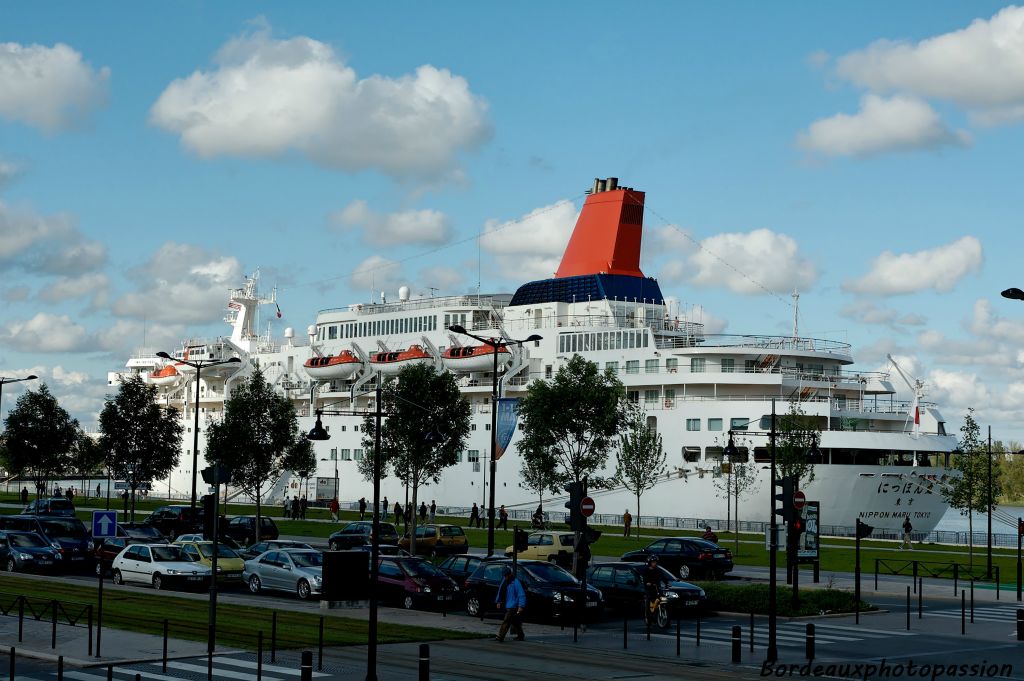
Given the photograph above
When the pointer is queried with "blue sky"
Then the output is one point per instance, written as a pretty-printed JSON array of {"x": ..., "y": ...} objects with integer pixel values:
[{"x": 151, "y": 155}]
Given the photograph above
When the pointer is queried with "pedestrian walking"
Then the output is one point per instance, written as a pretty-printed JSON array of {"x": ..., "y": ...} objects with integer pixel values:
[
  {"x": 627, "y": 523},
  {"x": 907, "y": 529},
  {"x": 362, "y": 508},
  {"x": 97, "y": 489},
  {"x": 408, "y": 515},
  {"x": 433, "y": 510},
  {"x": 423, "y": 511},
  {"x": 303, "y": 505},
  {"x": 398, "y": 513},
  {"x": 474, "y": 515},
  {"x": 503, "y": 518},
  {"x": 334, "y": 509},
  {"x": 287, "y": 507},
  {"x": 24, "y": 495},
  {"x": 512, "y": 598},
  {"x": 385, "y": 508},
  {"x": 296, "y": 509}
]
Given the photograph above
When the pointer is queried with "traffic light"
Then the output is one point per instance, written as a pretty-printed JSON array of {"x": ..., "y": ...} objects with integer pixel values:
[
  {"x": 576, "y": 493},
  {"x": 784, "y": 509},
  {"x": 519, "y": 540},
  {"x": 209, "y": 516}
]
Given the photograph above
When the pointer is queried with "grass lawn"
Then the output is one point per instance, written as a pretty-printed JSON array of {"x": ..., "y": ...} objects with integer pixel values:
[{"x": 237, "y": 625}]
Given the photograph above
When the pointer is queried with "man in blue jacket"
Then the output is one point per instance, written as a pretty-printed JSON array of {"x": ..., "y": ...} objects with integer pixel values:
[{"x": 512, "y": 596}]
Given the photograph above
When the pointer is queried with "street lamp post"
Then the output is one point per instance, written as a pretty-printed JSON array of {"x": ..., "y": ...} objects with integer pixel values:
[
  {"x": 4, "y": 381},
  {"x": 494, "y": 344},
  {"x": 198, "y": 365}
]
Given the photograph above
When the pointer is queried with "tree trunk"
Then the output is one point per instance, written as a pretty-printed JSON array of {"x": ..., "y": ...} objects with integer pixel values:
[
  {"x": 638, "y": 515},
  {"x": 133, "y": 502},
  {"x": 259, "y": 501},
  {"x": 737, "y": 517},
  {"x": 728, "y": 501},
  {"x": 970, "y": 536}
]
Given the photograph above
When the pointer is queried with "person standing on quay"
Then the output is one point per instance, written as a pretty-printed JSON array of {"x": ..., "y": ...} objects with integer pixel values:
[
  {"x": 627, "y": 523},
  {"x": 474, "y": 515},
  {"x": 362, "y": 508},
  {"x": 334, "y": 509},
  {"x": 433, "y": 510}
]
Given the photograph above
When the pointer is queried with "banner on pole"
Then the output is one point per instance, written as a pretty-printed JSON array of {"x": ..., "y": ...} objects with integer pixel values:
[{"x": 508, "y": 418}]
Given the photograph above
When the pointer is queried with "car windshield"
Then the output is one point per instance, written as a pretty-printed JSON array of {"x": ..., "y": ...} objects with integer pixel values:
[
  {"x": 307, "y": 558},
  {"x": 64, "y": 529},
  {"x": 420, "y": 568},
  {"x": 170, "y": 554},
  {"x": 452, "y": 531},
  {"x": 552, "y": 574},
  {"x": 58, "y": 505},
  {"x": 665, "y": 575},
  {"x": 27, "y": 541},
  {"x": 143, "y": 531},
  {"x": 222, "y": 551}
]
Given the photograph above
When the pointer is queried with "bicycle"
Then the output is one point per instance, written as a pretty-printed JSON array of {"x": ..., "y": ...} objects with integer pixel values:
[{"x": 657, "y": 611}]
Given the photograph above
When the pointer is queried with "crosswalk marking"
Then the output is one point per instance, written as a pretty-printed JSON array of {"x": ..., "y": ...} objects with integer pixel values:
[
  {"x": 855, "y": 628},
  {"x": 84, "y": 676},
  {"x": 220, "y": 673},
  {"x": 983, "y": 614},
  {"x": 251, "y": 664}
]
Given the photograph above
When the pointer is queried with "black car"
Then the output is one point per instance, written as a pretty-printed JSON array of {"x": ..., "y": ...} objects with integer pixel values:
[
  {"x": 384, "y": 550},
  {"x": 56, "y": 506},
  {"x": 67, "y": 535},
  {"x": 686, "y": 557},
  {"x": 623, "y": 587},
  {"x": 551, "y": 592},
  {"x": 243, "y": 529},
  {"x": 358, "y": 533},
  {"x": 28, "y": 552},
  {"x": 175, "y": 520},
  {"x": 460, "y": 567},
  {"x": 415, "y": 583},
  {"x": 139, "y": 531},
  {"x": 257, "y": 550}
]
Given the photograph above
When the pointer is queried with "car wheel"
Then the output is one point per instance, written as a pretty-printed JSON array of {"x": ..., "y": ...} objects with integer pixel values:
[
  {"x": 473, "y": 606},
  {"x": 407, "y": 602},
  {"x": 303, "y": 589},
  {"x": 255, "y": 586},
  {"x": 684, "y": 571},
  {"x": 333, "y": 546},
  {"x": 11, "y": 565},
  {"x": 99, "y": 569},
  {"x": 158, "y": 582},
  {"x": 118, "y": 579}
]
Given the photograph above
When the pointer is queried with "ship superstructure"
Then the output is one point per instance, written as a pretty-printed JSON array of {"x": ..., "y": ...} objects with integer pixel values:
[{"x": 877, "y": 463}]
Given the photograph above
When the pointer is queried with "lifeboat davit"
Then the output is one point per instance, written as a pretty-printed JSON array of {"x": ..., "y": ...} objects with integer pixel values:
[
  {"x": 343, "y": 366},
  {"x": 390, "y": 363},
  {"x": 165, "y": 376},
  {"x": 474, "y": 358}
]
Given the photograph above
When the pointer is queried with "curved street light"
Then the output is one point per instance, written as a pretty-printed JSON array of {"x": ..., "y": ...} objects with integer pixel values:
[
  {"x": 5, "y": 381},
  {"x": 198, "y": 365},
  {"x": 494, "y": 344}
]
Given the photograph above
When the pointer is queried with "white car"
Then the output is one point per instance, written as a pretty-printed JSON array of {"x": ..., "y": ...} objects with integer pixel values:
[{"x": 162, "y": 565}]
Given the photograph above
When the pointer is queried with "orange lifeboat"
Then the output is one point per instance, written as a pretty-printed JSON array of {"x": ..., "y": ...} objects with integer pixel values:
[
  {"x": 474, "y": 358},
  {"x": 341, "y": 366},
  {"x": 164, "y": 377},
  {"x": 390, "y": 363}
]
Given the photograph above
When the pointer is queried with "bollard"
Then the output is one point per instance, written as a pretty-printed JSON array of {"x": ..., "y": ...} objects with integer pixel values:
[
  {"x": 320, "y": 647},
  {"x": 424, "y": 662},
  {"x": 963, "y": 613},
  {"x": 698, "y": 628},
  {"x": 110, "y": 672},
  {"x": 306, "y": 668},
  {"x": 12, "y": 652},
  {"x": 273, "y": 637},
  {"x": 21, "y": 616},
  {"x": 625, "y": 630},
  {"x": 138, "y": 677},
  {"x": 914, "y": 580},
  {"x": 920, "y": 597},
  {"x": 1020, "y": 632},
  {"x": 60, "y": 668},
  {"x": 678, "y": 638},
  {"x": 956, "y": 577},
  {"x": 751, "y": 631},
  {"x": 809, "y": 645},
  {"x": 648, "y": 620},
  {"x": 972, "y": 600},
  {"x": 90, "y": 630},
  {"x": 165, "y": 647},
  {"x": 53, "y": 619},
  {"x": 908, "y": 608},
  {"x": 736, "y": 643},
  {"x": 259, "y": 656},
  {"x": 209, "y": 664}
]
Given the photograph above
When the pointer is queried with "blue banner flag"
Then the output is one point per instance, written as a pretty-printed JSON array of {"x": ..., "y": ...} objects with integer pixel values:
[{"x": 508, "y": 417}]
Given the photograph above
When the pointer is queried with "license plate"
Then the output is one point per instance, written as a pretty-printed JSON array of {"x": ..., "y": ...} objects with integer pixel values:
[
  {"x": 194, "y": 579},
  {"x": 444, "y": 598},
  {"x": 693, "y": 602},
  {"x": 592, "y": 604},
  {"x": 77, "y": 557},
  {"x": 719, "y": 555},
  {"x": 45, "y": 562}
]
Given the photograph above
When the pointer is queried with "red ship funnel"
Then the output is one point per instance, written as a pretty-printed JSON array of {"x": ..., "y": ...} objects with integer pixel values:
[{"x": 607, "y": 235}]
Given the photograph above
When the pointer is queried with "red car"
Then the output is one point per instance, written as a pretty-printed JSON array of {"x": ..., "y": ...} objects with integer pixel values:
[{"x": 415, "y": 583}]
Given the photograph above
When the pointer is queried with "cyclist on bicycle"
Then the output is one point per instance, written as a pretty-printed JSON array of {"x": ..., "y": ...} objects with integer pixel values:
[
  {"x": 538, "y": 518},
  {"x": 652, "y": 583}
]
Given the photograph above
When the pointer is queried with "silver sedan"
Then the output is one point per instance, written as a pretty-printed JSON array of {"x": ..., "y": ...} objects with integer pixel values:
[{"x": 298, "y": 571}]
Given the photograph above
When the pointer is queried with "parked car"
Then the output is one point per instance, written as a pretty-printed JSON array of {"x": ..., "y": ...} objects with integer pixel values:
[
  {"x": 199, "y": 536},
  {"x": 108, "y": 550},
  {"x": 547, "y": 545},
  {"x": 622, "y": 585},
  {"x": 299, "y": 571},
  {"x": 139, "y": 531},
  {"x": 437, "y": 540},
  {"x": 162, "y": 565},
  {"x": 414, "y": 583},
  {"x": 242, "y": 529},
  {"x": 686, "y": 557},
  {"x": 175, "y": 520},
  {"x": 460, "y": 567},
  {"x": 551, "y": 592},
  {"x": 229, "y": 564},
  {"x": 67, "y": 535},
  {"x": 271, "y": 545},
  {"x": 56, "y": 506},
  {"x": 384, "y": 550},
  {"x": 357, "y": 533},
  {"x": 28, "y": 552}
]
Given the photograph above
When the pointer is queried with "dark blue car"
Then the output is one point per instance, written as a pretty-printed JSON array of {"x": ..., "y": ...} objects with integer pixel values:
[
  {"x": 67, "y": 535},
  {"x": 27, "y": 552}
]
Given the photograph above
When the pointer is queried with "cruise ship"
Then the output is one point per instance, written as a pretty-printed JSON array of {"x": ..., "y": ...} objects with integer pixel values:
[{"x": 882, "y": 459}]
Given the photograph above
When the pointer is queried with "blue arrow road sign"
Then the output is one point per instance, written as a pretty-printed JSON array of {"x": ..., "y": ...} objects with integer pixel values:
[{"x": 104, "y": 524}]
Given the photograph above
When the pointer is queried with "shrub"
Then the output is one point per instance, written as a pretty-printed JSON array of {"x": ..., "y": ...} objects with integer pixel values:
[{"x": 754, "y": 598}]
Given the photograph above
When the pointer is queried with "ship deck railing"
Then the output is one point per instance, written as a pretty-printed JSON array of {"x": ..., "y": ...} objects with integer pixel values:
[{"x": 464, "y": 302}]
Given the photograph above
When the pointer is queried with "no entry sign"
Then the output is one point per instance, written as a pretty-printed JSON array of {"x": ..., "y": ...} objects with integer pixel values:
[
  {"x": 799, "y": 500},
  {"x": 587, "y": 507}
]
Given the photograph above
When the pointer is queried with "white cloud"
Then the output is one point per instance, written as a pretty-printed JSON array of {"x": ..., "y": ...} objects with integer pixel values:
[
  {"x": 666, "y": 241},
  {"x": 442, "y": 277},
  {"x": 8, "y": 171},
  {"x": 406, "y": 227},
  {"x": 957, "y": 390},
  {"x": 987, "y": 324},
  {"x": 757, "y": 260},
  {"x": 898, "y": 123},
  {"x": 266, "y": 97},
  {"x": 62, "y": 375},
  {"x": 48, "y": 87},
  {"x": 49, "y": 245},
  {"x": 68, "y": 288},
  {"x": 867, "y": 312},
  {"x": 376, "y": 274},
  {"x": 937, "y": 268},
  {"x": 530, "y": 247},
  {"x": 180, "y": 284},
  {"x": 47, "y": 333}
]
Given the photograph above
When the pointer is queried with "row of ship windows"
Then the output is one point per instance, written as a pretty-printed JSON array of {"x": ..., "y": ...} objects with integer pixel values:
[
  {"x": 602, "y": 340},
  {"x": 698, "y": 365},
  {"x": 380, "y": 327}
]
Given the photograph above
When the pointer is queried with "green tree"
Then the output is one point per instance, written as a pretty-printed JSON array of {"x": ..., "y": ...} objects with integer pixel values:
[
  {"x": 640, "y": 458},
  {"x": 87, "y": 459},
  {"x": 538, "y": 476},
  {"x": 571, "y": 422},
  {"x": 969, "y": 492},
  {"x": 796, "y": 434},
  {"x": 40, "y": 437},
  {"x": 740, "y": 479},
  {"x": 140, "y": 441},
  {"x": 426, "y": 427},
  {"x": 1011, "y": 470},
  {"x": 258, "y": 440}
]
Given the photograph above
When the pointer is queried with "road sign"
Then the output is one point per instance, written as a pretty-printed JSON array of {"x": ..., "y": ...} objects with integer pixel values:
[
  {"x": 104, "y": 524},
  {"x": 587, "y": 507},
  {"x": 799, "y": 500}
]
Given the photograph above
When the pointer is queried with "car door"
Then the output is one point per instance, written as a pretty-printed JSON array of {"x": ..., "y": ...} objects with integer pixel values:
[
  {"x": 601, "y": 578},
  {"x": 628, "y": 588},
  {"x": 391, "y": 580},
  {"x": 129, "y": 564},
  {"x": 143, "y": 568},
  {"x": 673, "y": 555},
  {"x": 488, "y": 588},
  {"x": 287, "y": 574},
  {"x": 268, "y": 571}
]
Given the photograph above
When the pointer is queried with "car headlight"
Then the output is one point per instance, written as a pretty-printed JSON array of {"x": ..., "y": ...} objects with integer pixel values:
[
  {"x": 671, "y": 594},
  {"x": 172, "y": 572},
  {"x": 318, "y": 579},
  {"x": 56, "y": 546},
  {"x": 702, "y": 594},
  {"x": 455, "y": 587},
  {"x": 25, "y": 556},
  {"x": 559, "y": 597},
  {"x": 425, "y": 589}
]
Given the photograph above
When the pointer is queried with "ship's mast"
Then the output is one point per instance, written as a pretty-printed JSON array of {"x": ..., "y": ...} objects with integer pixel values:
[{"x": 796, "y": 315}]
